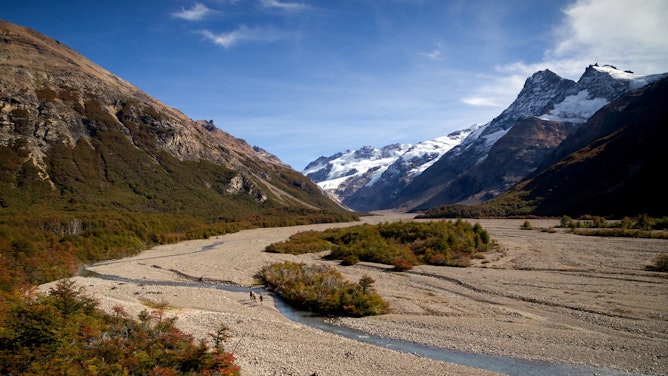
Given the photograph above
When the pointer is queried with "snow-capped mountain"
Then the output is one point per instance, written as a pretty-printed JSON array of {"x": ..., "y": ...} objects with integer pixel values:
[
  {"x": 492, "y": 157},
  {"x": 343, "y": 174},
  {"x": 598, "y": 86},
  {"x": 513, "y": 145}
]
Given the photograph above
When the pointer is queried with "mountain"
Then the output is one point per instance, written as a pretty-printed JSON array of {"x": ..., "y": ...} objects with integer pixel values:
[
  {"x": 369, "y": 178},
  {"x": 611, "y": 166},
  {"x": 492, "y": 157},
  {"x": 515, "y": 143},
  {"x": 75, "y": 137}
]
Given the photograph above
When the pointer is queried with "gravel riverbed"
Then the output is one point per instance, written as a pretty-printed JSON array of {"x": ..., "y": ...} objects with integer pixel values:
[{"x": 542, "y": 295}]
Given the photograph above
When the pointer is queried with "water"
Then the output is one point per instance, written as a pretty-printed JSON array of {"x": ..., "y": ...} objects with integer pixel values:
[{"x": 499, "y": 364}]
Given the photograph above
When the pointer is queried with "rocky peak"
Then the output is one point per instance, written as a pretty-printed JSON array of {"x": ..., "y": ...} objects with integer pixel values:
[
  {"x": 540, "y": 93},
  {"x": 603, "y": 82}
]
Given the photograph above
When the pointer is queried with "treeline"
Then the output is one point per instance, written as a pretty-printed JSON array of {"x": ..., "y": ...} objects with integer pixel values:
[
  {"x": 40, "y": 247},
  {"x": 64, "y": 333},
  {"x": 626, "y": 224},
  {"x": 509, "y": 209},
  {"x": 402, "y": 244},
  {"x": 322, "y": 289}
]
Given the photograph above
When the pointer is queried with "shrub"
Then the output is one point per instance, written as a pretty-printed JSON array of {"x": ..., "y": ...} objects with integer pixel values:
[
  {"x": 401, "y": 264},
  {"x": 660, "y": 263},
  {"x": 65, "y": 333},
  {"x": 322, "y": 289},
  {"x": 402, "y": 244}
]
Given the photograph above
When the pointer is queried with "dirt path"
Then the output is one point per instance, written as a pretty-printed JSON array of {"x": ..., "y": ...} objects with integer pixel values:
[{"x": 545, "y": 295}]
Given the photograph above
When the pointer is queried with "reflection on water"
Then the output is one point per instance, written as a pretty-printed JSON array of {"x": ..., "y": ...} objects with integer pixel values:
[{"x": 499, "y": 364}]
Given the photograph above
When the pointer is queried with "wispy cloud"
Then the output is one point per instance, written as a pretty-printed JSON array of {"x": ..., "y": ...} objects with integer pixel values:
[
  {"x": 276, "y": 4},
  {"x": 498, "y": 92},
  {"x": 196, "y": 13},
  {"x": 434, "y": 54},
  {"x": 242, "y": 34}
]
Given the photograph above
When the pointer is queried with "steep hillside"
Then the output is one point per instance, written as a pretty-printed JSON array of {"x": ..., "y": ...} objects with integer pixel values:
[
  {"x": 510, "y": 159},
  {"x": 92, "y": 168},
  {"x": 612, "y": 166},
  {"x": 546, "y": 111},
  {"x": 76, "y": 137}
]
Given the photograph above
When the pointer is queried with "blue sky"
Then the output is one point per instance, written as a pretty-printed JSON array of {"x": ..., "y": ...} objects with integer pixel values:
[{"x": 307, "y": 78}]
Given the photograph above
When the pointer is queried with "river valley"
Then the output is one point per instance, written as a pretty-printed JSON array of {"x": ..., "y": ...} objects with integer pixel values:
[{"x": 581, "y": 305}]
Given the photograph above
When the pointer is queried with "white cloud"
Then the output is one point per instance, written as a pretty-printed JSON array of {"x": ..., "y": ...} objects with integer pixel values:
[
  {"x": 281, "y": 5},
  {"x": 196, "y": 13},
  {"x": 630, "y": 34},
  {"x": 243, "y": 33},
  {"x": 499, "y": 92},
  {"x": 434, "y": 54}
]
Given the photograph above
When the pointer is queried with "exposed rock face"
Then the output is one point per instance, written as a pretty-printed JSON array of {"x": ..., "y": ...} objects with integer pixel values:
[
  {"x": 52, "y": 97},
  {"x": 490, "y": 159},
  {"x": 611, "y": 166},
  {"x": 546, "y": 111}
]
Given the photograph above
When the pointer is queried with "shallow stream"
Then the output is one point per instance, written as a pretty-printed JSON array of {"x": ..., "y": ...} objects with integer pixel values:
[{"x": 500, "y": 364}]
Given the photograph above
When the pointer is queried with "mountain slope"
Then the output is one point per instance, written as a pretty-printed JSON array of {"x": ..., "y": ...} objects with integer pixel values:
[
  {"x": 612, "y": 166},
  {"x": 474, "y": 171},
  {"x": 76, "y": 137},
  {"x": 369, "y": 178}
]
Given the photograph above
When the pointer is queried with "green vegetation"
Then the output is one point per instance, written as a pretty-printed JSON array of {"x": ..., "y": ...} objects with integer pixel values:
[
  {"x": 402, "y": 244},
  {"x": 322, "y": 289},
  {"x": 639, "y": 227},
  {"x": 107, "y": 197},
  {"x": 64, "y": 333},
  {"x": 660, "y": 263},
  {"x": 526, "y": 226}
]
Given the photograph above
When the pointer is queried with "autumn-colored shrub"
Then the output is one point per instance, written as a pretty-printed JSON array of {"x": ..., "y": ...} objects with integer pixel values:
[
  {"x": 64, "y": 333},
  {"x": 660, "y": 263},
  {"x": 322, "y": 289},
  {"x": 402, "y": 244}
]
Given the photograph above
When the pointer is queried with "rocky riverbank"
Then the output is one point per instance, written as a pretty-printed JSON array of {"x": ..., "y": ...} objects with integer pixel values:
[{"x": 544, "y": 295}]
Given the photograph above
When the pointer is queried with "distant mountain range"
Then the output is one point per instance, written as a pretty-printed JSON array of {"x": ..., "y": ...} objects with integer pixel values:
[
  {"x": 485, "y": 160},
  {"x": 367, "y": 177},
  {"x": 73, "y": 136}
]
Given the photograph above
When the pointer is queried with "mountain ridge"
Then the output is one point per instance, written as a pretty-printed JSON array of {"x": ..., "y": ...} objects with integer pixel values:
[{"x": 491, "y": 159}]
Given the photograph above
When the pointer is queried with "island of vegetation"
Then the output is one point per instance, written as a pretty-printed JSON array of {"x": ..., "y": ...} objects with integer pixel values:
[
  {"x": 402, "y": 244},
  {"x": 322, "y": 289}
]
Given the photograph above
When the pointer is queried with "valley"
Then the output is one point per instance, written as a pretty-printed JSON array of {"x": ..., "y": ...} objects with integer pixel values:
[{"x": 543, "y": 295}]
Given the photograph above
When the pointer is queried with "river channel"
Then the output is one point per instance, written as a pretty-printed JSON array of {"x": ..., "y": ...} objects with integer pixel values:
[{"x": 499, "y": 364}]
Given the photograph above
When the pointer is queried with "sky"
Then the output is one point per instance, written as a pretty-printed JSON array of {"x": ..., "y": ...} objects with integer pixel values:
[{"x": 309, "y": 78}]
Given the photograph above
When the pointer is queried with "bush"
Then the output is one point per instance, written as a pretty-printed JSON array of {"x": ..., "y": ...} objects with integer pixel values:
[
  {"x": 526, "y": 226},
  {"x": 402, "y": 244},
  {"x": 322, "y": 289},
  {"x": 401, "y": 264},
  {"x": 64, "y": 333},
  {"x": 660, "y": 263}
]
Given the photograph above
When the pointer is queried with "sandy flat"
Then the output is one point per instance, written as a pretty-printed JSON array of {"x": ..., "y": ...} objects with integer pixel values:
[{"x": 543, "y": 295}]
